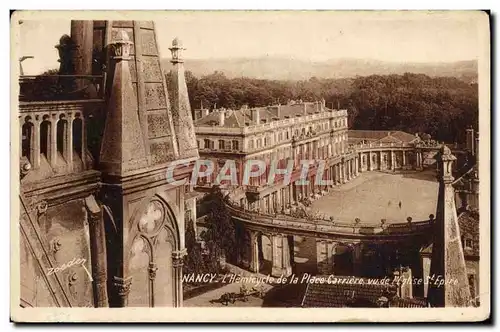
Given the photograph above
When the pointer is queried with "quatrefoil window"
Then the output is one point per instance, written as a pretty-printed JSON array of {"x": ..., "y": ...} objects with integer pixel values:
[{"x": 152, "y": 218}]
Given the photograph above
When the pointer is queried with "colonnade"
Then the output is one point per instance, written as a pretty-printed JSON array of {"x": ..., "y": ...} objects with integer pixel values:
[
  {"x": 56, "y": 136},
  {"x": 390, "y": 160}
]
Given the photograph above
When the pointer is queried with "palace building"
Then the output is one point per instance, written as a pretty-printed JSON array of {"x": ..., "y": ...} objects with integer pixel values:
[
  {"x": 95, "y": 142},
  {"x": 275, "y": 212}
]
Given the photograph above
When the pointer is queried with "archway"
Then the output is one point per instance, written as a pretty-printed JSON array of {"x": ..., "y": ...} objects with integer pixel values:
[
  {"x": 343, "y": 260},
  {"x": 45, "y": 131},
  {"x": 155, "y": 282},
  {"x": 27, "y": 141},
  {"x": 265, "y": 253}
]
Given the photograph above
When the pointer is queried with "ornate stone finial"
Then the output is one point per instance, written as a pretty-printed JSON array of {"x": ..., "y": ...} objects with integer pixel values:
[
  {"x": 122, "y": 46},
  {"x": 445, "y": 151},
  {"x": 445, "y": 160},
  {"x": 176, "y": 50}
]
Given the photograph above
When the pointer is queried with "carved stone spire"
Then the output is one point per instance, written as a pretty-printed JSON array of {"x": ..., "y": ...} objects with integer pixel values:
[
  {"x": 123, "y": 145},
  {"x": 448, "y": 263},
  {"x": 181, "y": 109}
]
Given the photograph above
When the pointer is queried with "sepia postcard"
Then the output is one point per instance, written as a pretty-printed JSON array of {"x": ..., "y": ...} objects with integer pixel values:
[{"x": 250, "y": 166}]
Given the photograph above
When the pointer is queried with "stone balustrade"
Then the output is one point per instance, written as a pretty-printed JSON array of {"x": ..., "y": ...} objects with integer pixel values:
[{"x": 320, "y": 228}]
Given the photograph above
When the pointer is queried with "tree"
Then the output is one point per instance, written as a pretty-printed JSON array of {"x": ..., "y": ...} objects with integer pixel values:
[
  {"x": 194, "y": 261},
  {"x": 440, "y": 106},
  {"x": 220, "y": 237}
]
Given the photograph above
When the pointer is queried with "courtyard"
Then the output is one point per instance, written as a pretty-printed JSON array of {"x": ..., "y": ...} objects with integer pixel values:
[{"x": 376, "y": 195}]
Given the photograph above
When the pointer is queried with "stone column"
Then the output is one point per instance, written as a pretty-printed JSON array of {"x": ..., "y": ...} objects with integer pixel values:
[
  {"x": 357, "y": 166},
  {"x": 84, "y": 143},
  {"x": 325, "y": 251},
  {"x": 357, "y": 256},
  {"x": 419, "y": 160},
  {"x": 393, "y": 160},
  {"x": 68, "y": 148},
  {"x": 177, "y": 263},
  {"x": 254, "y": 252},
  {"x": 343, "y": 171},
  {"x": 404, "y": 159},
  {"x": 36, "y": 145},
  {"x": 152, "y": 268},
  {"x": 53, "y": 142},
  {"x": 97, "y": 252},
  {"x": 370, "y": 161},
  {"x": 280, "y": 256},
  {"x": 122, "y": 289}
]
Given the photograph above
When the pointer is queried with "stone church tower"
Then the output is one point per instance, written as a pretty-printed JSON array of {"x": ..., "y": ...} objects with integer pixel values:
[{"x": 129, "y": 135}]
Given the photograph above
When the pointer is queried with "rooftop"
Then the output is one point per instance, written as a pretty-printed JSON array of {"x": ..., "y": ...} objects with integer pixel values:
[
  {"x": 382, "y": 136},
  {"x": 338, "y": 295},
  {"x": 245, "y": 117}
]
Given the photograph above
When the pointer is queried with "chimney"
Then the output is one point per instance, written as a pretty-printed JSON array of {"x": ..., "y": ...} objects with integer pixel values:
[
  {"x": 305, "y": 108},
  {"x": 317, "y": 106},
  {"x": 222, "y": 117},
  {"x": 278, "y": 112},
  {"x": 256, "y": 115}
]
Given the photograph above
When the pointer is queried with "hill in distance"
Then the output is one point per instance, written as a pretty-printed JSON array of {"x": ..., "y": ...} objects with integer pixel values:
[{"x": 296, "y": 69}]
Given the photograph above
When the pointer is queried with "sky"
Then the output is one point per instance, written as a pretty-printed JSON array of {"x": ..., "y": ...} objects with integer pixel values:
[{"x": 315, "y": 35}]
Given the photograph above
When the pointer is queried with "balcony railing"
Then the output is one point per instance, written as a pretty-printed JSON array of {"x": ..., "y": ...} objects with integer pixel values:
[{"x": 61, "y": 87}]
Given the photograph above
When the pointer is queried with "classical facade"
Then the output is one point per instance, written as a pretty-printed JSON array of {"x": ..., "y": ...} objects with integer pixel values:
[
  {"x": 100, "y": 224},
  {"x": 276, "y": 212},
  {"x": 293, "y": 132}
]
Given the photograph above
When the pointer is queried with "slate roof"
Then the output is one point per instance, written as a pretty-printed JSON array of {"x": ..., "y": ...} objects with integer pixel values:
[
  {"x": 384, "y": 136},
  {"x": 243, "y": 117},
  {"x": 338, "y": 295}
]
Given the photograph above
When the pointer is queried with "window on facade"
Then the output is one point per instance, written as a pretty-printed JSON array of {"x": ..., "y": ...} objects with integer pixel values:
[
  {"x": 236, "y": 145},
  {"x": 250, "y": 144},
  {"x": 266, "y": 141},
  {"x": 280, "y": 136},
  {"x": 221, "y": 144},
  {"x": 467, "y": 242},
  {"x": 287, "y": 134},
  {"x": 206, "y": 143}
]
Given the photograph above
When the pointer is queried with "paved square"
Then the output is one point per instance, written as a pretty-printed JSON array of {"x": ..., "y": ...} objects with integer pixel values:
[{"x": 375, "y": 195}]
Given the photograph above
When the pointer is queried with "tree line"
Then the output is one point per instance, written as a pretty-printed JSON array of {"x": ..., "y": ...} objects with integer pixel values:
[{"x": 441, "y": 107}]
